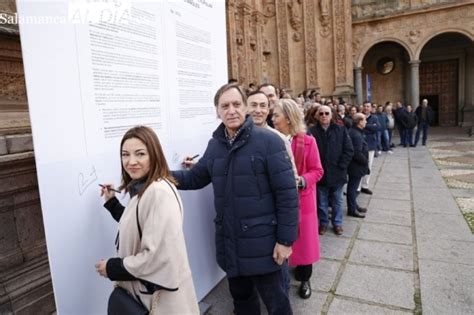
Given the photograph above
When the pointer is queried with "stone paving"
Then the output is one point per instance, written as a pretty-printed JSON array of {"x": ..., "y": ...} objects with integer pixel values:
[
  {"x": 412, "y": 254},
  {"x": 455, "y": 159}
]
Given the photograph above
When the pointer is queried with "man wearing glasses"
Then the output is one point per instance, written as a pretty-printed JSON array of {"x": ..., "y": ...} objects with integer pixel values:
[{"x": 335, "y": 151}]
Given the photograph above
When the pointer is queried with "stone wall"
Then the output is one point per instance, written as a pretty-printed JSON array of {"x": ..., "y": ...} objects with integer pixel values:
[
  {"x": 295, "y": 44},
  {"x": 25, "y": 281},
  {"x": 366, "y": 9}
]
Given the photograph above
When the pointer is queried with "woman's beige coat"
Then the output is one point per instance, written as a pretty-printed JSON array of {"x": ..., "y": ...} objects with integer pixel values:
[{"x": 160, "y": 256}]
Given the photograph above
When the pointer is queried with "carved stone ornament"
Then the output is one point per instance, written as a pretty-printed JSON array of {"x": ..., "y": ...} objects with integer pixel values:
[
  {"x": 297, "y": 36},
  {"x": 266, "y": 48},
  {"x": 325, "y": 18},
  {"x": 340, "y": 39},
  {"x": 310, "y": 44},
  {"x": 253, "y": 42},
  {"x": 269, "y": 8},
  {"x": 414, "y": 36},
  {"x": 355, "y": 47},
  {"x": 239, "y": 38},
  {"x": 296, "y": 20}
]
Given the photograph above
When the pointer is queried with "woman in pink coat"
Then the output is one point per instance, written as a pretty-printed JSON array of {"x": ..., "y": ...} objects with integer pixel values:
[{"x": 288, "y": 120}]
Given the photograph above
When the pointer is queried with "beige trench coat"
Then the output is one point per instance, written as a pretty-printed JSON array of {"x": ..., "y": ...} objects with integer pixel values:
[{"x": 160, "y": 256}]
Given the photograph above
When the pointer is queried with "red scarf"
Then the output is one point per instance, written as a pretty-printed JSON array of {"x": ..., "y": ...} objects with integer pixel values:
[{"x": 299, "y": 153}]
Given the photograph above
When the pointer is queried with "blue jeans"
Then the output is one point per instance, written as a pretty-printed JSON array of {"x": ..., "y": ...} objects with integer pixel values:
[
  {"x": 385, "y": 140},
  {"x": 333, "y": 195},
  {"x": 401, "y": 132},
  {"x": 422, "y": 126},
  {"x": 270, "y": 288},
  {"x": 351, "y": 195},
  {"x": 379, "y": 140},
  {"x": 408, "y": 136}
]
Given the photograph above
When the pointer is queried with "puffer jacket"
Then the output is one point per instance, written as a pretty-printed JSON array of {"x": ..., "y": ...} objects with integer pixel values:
[
  {"x": 255, "y": 197},
  {"x": 335, "y": 151},
  {"x": 370, "y": 131}
]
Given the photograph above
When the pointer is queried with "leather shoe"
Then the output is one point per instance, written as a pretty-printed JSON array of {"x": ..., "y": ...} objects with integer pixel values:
[
  {"x": 356, "y": 214},
  {"x": 366, "y": 191},
  {"x": 305, "y": 290},
  {"x": 362, "y": 210},
  {"x": 338, "y": 230},
  {"x": 322, "y": 229}
]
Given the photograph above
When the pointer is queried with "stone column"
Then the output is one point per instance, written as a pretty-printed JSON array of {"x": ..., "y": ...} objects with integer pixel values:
[
  {"x": 415, "y": 83},
  {"x": 342, "y": 41},
  {"x": 469, "y": 99},
  {"x": 358, "y": 85}
]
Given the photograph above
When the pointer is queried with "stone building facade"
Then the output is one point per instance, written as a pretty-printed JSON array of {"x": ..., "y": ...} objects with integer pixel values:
[
  {"x": 388, "y": 50},
  {"x": 337, "y": 46}
]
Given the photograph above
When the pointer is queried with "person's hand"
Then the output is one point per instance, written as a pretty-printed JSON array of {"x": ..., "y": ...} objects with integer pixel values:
[
  {"x": 100, "y": 267},
  {"x": 281, "y": 253},
  {"x": 188, "y": 162},
  {"x": 106, "y": 192}
]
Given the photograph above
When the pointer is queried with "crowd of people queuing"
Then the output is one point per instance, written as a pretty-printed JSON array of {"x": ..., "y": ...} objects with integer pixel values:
[{"x": 277, "y": 165}]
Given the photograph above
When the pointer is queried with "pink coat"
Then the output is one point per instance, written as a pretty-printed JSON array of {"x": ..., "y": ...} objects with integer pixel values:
[{"x": 306, "y": 247}]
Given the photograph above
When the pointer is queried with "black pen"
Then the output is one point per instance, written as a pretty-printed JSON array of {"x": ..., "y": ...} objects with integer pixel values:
[
  {"x": 193, "y": 157},
  {"x": 109, "y": 188}
]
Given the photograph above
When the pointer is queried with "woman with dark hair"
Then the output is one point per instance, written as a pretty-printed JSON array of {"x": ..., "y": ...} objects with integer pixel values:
[
  {"x": 310, "y": 118},
  {"x": 151, "y": 263}
]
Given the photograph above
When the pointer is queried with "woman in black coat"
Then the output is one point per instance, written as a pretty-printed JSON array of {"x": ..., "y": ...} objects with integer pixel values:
[{"x": 359, "y": 166}]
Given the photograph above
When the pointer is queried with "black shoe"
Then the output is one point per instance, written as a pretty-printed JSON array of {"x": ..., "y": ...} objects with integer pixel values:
[
  {"x": 412, "y": 145},
  {"x": 423, "y": 144},
  {"x": 305, "y": 290},
  {"x": 404, "y": 145},
  {"x": 356, "y": 214},
  {"x": 362, "y": 210},
  {"x": 366, "y": 191}
]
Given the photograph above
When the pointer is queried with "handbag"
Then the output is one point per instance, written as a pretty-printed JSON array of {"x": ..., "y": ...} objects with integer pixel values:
[{"x": 122, "y": 303}]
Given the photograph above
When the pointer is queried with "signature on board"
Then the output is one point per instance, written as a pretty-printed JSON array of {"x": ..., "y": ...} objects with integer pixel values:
[{"x": 85, "y": 179}]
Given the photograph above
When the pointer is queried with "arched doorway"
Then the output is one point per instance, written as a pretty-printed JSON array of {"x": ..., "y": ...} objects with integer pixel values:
[
  {"x": 446, "y": 76},
  {"x": 385, "y": 73}
]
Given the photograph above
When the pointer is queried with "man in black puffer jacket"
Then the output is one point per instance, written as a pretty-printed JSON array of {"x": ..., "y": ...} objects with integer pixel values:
[{"x": 256, "y": 202}]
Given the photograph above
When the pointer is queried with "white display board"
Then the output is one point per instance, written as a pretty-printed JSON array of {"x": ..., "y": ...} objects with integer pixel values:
[{"x": 94, "y": 69}]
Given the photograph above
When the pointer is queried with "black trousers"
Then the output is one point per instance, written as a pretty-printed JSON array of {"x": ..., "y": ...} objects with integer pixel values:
[
  {"x": 303, "y": 272},
  {"x": 271, "y": 288}
]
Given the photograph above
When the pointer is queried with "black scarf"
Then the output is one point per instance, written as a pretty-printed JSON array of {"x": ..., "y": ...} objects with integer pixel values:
[{"x": 135, "y": 186}]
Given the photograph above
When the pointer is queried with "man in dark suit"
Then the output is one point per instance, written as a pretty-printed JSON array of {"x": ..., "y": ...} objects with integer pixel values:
[{"x": 425, "y": 118}]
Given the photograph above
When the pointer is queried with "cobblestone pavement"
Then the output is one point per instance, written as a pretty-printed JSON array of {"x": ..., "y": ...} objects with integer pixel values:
[
  {"x": 454, "y": 155},
  {"x": 413, "y": 253}
]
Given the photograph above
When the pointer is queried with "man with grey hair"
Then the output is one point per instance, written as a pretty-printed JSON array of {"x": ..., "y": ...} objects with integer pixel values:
[
  {"x": 335, "y": 151},
  {"x": 256, "y": 203},
  {"x": 425, "y": 114}
]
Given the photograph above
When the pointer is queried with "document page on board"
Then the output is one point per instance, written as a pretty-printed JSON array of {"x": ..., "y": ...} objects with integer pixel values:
[{"x": 94, "y": 69}]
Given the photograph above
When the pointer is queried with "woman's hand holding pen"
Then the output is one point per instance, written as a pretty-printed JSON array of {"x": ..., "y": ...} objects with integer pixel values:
[
  {"x": 107, "y": 191},
  {"x": 189, "y": 161}
]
